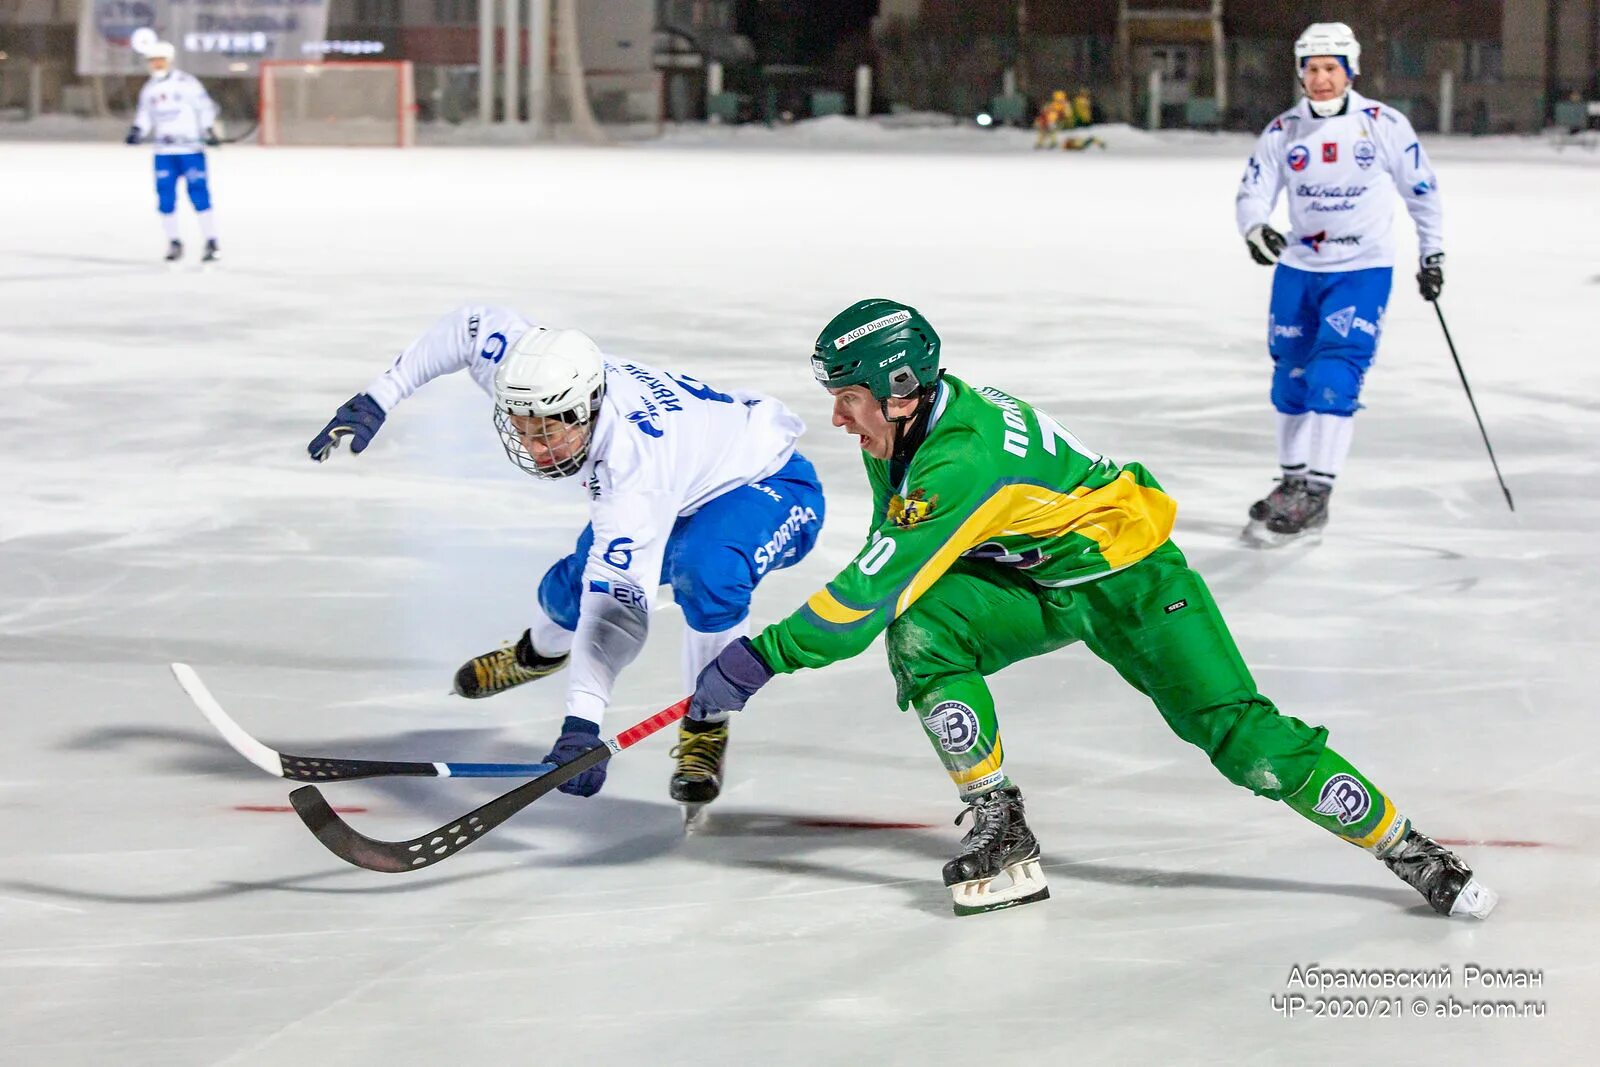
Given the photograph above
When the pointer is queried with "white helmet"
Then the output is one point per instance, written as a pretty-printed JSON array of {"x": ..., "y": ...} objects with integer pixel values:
[
  {"x": 160, "y": 50},
  {"x": 1328, "y": 39},
  {"x": 555, "y": 376}
]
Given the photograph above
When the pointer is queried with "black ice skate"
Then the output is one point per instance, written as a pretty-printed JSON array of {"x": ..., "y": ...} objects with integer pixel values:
[
  {"x": 212, "y": 253},
  {"x": 697, "y": 779},
  {"x": 1255, "y": 531},
  {"x": 1301, "y": 518},
  {"x": 998, "y": 843},
  {"x": 174, "y": 251},
  {"x": 505, "y": 668},
  {"x": 1440, "y": 876}
]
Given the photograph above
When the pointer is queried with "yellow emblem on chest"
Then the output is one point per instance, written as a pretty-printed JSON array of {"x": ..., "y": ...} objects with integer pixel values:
[{"x": 906, "y": 511}]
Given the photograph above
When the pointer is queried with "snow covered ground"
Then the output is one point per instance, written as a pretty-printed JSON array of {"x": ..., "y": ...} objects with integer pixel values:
[{"x": 156, "y": 504}]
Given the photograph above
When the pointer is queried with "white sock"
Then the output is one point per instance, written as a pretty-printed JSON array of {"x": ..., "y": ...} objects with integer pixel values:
[
  {"x": 1294, "y": 443},
  {"x": 169, "y": 225},
  {"x": 700, "y": 649},
  {"x": 208, "y": 223},
  {"x": 549, "y": 639},
  {"x": 1330, "y": 444}
]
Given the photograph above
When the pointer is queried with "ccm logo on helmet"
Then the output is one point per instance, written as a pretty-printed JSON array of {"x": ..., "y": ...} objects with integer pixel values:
[{"x": 872, "y": 327}]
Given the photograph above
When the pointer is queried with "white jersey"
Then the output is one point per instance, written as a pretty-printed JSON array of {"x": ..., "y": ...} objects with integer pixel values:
[
  {"x": 1340, "y": 174},
  {"x": 663, "y": 446},
  {"x": 174, "y": 113}
]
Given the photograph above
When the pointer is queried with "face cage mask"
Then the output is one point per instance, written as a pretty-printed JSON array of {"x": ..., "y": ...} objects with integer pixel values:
[{"x": 565, "y": 468}]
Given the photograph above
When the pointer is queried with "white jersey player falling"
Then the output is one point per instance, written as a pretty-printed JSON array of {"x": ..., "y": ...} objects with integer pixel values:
[{"x": 663, "y": 447}]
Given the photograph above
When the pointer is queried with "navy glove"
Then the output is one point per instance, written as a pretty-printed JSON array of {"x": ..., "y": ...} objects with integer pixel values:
[
  {"x": 577, "y": 737},
  {"x": 210, "y": 137},
  {"x": 728, "y": 681},
  {"x": 357, "y": 418},
  {"x": 1430, "y": 279},
  {"x": 133, "y": 135},
  {"x": 1265, "y": 244}
]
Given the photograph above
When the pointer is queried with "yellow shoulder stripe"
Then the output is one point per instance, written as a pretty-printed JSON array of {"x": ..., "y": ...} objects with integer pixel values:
[{"x": 1128, "y": 521}]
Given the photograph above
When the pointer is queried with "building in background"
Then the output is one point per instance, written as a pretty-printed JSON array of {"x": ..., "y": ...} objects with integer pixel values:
[
  {"x": 1500, "y": 65},
  {"x": 1494, "y": 65}
]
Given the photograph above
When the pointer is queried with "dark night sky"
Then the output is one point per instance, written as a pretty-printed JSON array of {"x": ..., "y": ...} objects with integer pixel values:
[{"x": 802, "y": 31}]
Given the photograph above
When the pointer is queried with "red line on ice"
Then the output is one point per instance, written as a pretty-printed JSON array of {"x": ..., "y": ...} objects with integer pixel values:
[{"x": 860, "y": 824}]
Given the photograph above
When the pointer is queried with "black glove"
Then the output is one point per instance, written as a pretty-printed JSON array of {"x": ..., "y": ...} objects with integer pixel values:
[
  {"x": 1430, "y": 279},
  {"x": 357, "y": 418},
  {"x": 1265, "y": 244},
  {"x": 210, "y": 137},
  {"x": 133, "y": 135}
]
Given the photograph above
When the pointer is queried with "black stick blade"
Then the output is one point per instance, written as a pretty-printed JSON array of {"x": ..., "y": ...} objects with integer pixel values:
[{"x": 395, "y": 857}]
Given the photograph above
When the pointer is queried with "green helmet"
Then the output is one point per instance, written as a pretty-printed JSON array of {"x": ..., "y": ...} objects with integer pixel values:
[{"x": 881, "y": 344}]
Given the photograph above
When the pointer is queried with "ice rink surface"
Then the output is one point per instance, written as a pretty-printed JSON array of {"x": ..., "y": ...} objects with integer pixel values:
[{"x": 156, "y": 504}]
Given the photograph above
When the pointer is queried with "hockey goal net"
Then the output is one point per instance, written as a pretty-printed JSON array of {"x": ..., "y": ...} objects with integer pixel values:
[{"x": 338, "y": 103}]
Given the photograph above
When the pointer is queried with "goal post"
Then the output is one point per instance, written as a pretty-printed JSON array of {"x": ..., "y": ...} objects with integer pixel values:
[{"x": 338, "y": 103}]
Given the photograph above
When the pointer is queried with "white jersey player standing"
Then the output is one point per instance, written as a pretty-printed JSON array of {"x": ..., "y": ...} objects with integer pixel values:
[
  {"x": 688, "y": 486},
  {"x": 178, "y": 117},
  {"x": 1339, "y": 157}
]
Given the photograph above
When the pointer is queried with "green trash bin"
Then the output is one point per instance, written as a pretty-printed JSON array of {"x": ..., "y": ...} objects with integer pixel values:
[
  {"x": 724, "y": 106},
  {"x": 1009, "y": 110},
  {"x": 1200, "y": 113},
  {"x": 826, "y": 102}
]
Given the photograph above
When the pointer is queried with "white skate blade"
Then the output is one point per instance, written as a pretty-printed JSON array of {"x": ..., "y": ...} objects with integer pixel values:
[
  {"x": 1027, "y": 885},
  {"x": 694, "y": 818},
  {"x": 1476, "y": 901},
  {"x": 1256, "y": 535}
]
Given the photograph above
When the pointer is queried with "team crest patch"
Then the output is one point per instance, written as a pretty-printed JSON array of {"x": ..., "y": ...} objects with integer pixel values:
[
  {"x": 1299, "y": 157},
  {"x": 1366, "y": 154},
  {"x": 955, "y": 726},
  {"x": 905, "y": 512},
  {"x": 1345, "y": 798},
  {"x": 1341, "y": 320},
  {"x": 1330, "y": 152}
]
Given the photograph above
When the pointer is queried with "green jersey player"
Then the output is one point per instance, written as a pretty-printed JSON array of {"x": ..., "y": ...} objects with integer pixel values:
[{"x": 997, "y": 536}]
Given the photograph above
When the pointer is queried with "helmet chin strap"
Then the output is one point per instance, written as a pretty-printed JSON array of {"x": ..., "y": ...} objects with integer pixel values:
[
  {"x": 910, "y": 430},
  {"x": 1327, "y": 109}
]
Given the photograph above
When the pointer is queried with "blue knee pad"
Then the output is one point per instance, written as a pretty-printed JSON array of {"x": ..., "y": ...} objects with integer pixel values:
[
  {"x": 194, "y": 178},
  {"x": 199, "y": 194},
  {"x": 714, "y": 590},
  {"x": 1332, "y": 383},
  {"x": 562, "y": 584},
  {"x": 1289, "y": 387},
  {"x": 167, "y": 168}
]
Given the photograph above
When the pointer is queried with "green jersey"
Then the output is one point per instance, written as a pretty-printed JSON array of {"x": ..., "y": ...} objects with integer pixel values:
[{"x": 995, "y": 481}]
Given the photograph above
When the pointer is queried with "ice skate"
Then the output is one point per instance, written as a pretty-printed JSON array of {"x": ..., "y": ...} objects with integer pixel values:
[
  {"x": 174, "y": 252},
  {"x": 212, "y": 254},
  {"x": 999, "y": 843},
  {"x": 697, "y": 779},
  {"x": 1444, "y": 880},
  {"x": 1255, "y": 531},
  {"x": 1299, "y": 516},
  {"x": 505, "y": 668}
]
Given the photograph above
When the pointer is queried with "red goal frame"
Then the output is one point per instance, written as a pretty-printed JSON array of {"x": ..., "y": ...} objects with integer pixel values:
[{"x": 405, "y": 119}]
